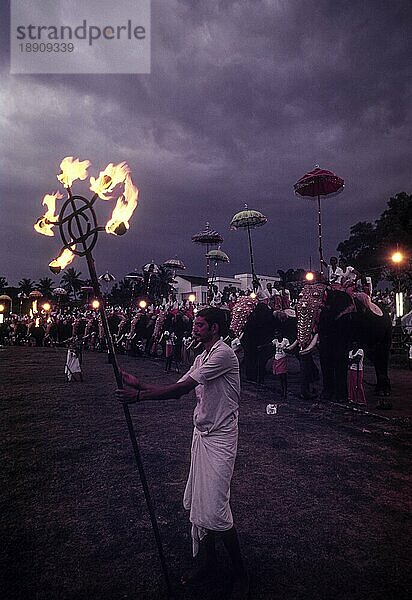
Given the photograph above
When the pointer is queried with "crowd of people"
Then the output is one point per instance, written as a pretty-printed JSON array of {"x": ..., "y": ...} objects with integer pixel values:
[{"x": 165, "y": 329}]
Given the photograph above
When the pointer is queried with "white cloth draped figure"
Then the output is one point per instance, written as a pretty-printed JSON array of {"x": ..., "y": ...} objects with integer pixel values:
[{"x": 214, "y": 443}]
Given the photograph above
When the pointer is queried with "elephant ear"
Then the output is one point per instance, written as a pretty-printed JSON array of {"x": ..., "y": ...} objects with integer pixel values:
[{"x": 338, "y": 301}]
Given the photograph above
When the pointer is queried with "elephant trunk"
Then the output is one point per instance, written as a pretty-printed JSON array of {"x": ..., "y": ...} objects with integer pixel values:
[{"x": 311, "y": 345}]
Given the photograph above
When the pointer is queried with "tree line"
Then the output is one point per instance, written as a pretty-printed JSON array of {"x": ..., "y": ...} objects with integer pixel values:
[{"x": 368, "y": 249}]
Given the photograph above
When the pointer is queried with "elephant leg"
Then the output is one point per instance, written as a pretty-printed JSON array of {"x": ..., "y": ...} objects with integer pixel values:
[
  {"x": 380, "y": 358},
  {"x": 263, "y": 356},
  {"x": 328, "y": 371},
  {"x": 341, "y": 375},
  {"x": 307, "y": 367},
  {"x": 251, "y": 364}
]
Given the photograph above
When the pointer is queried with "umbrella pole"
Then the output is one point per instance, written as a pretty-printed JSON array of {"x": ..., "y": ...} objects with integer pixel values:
[
  {"x": 320, "y": 237},
  {"x": 207, "y": 262},
  {"x": 252, "y": 262}
]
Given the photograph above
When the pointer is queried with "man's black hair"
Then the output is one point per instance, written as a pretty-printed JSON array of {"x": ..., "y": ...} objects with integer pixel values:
[{"x": 216, "y": 315}]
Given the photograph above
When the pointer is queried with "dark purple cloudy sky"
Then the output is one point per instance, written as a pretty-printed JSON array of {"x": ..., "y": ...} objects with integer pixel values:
[{"x": 243, "y": 98}]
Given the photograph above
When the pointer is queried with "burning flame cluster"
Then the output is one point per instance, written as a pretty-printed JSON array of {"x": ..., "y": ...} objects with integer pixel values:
[{"x": 103, "y": 187}]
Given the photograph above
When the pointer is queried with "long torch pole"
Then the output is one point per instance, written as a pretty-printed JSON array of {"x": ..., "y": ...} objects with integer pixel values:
[
  {"x": 133, "y": 439},
  {"x": 119, "y": 381}
]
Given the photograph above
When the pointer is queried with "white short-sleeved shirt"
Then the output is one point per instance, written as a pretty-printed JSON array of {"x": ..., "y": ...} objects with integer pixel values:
[
  {"x": 349, "y": 275},
  {"x": 335, "y": 276},
  {"x": 280, "y": 347},
  {"x": 218, "y": 392},
  {"x": 354, "y": 366}
]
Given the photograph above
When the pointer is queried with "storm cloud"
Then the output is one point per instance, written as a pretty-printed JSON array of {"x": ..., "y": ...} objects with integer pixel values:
[{"x": 243, "y": 98}]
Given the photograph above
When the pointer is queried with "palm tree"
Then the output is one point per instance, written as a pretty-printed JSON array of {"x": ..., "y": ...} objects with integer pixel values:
[
  {"x": 71, "y": 281},
  {"x": 26, "y": 285},
  {"x": 45, "y": 286},
  {"x": 121, "y": 292},
  {"x": 3, "y": 283}
]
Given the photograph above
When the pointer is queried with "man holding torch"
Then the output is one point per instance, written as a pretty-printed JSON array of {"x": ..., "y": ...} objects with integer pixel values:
[{"x": 215, "y": 378}]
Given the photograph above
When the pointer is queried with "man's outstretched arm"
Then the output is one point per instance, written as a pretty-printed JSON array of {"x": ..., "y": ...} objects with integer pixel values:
[{"x": 156, "y": 392}]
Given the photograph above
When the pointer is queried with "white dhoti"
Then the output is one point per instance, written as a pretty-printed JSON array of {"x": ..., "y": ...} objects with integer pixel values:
[
  {"x": 207, "y": 492},
  {"x": 72, "y": 364}
]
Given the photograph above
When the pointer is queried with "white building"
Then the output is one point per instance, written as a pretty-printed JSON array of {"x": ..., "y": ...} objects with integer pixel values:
[
  {"x": 188, "y": 284},
  {"x": 246, "y": 280}
]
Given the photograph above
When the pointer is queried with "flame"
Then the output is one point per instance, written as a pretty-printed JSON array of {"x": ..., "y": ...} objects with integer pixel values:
[
  {"x": 108, "y": 179},
  {"x": 65, "y": 258},
  {"x": 125, "y": 205},
  {"x": 44, "y": 224},
  {"x": 72, "y": 169}
]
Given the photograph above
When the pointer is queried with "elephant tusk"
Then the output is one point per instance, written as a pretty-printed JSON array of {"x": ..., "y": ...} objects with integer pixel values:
[{"x": 311, "y": 345}]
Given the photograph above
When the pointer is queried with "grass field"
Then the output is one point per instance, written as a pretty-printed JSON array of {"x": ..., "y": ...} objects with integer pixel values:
[{"x": 320, "y": 496}]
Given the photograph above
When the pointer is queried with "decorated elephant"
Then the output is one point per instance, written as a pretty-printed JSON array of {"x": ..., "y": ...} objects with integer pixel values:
[
  {"x": 334, "y": 319},
  {"x": 327, "y": 320},
  {"x": 255, "y": 324}
]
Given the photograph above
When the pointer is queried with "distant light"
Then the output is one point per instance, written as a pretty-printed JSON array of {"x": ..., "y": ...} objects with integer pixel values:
[
  {"x": 46, "y": 306},
  {"x": 399, "y": 304},
  {"x": 397, "y": 257},
  {"x": 2, "y": 307},
  {"x": 309, "y": 276},
  {"x": 142, "y": 304},
  {"x": 252, "y": 295},
  {"x": 192, "y": 297},
  {"x": 95, "y": 304}
]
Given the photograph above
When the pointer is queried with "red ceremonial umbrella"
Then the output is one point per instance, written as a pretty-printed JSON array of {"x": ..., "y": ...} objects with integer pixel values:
[{"x": 317, "y": 183}]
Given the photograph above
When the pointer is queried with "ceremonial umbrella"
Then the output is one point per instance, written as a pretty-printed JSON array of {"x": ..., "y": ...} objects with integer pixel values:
[
  {"x": 208, "y": 237},
  {"x": 6, "y": 298},
  {"x": 87, "y": 289},
  {"x": 107, "y": 277},
  {"x": 315, "y": 184},
  {"x": 249, "y": 219},
  {"x": 217, "y": 256},
  {"x": 35, "y": 294},
  {"x": 34, "y": 297},
  {"x": 134, "y": 277},
  {"x": 175, "y": 264},
  {"x": 151, "y": 269},
  {"x": 21, "y": 296}
]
